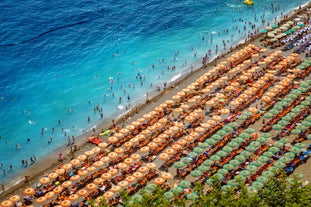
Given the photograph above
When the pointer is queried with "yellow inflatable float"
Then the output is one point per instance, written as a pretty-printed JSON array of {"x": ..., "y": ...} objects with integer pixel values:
[{"x": 248, "y": 2}]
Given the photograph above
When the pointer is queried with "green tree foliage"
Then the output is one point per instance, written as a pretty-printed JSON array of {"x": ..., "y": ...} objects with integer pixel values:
[{"x": 279, "y": 191}]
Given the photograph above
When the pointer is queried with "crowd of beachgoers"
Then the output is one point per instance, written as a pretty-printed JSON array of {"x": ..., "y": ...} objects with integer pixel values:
[{"x": 243, "y": 120}]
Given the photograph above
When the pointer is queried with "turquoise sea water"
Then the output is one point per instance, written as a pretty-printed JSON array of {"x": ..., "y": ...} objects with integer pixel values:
[{"x": 59, "y": 60}]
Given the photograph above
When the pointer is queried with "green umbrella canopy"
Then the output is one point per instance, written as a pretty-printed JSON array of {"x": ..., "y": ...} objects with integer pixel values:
[
  {"x": 218, "y": 176},
  {"x": 186, "y": 160},
  {"x": 262, "y": 140},
  {"x": 295, "y": 150},
  {"x": 306, "y": 123},
  {"x": 282, "y": 122},
  {"x": 300, "y": 145},
  {"x": 265, "y": 135},
  {"x": 184, "y": 184},
  {"x": 306, "y": 103},
  {"x": 203, "y": 145},
  {"x": 242, "y": 117},
  {"x": 283, "y": 103},
  {"x": 268, "y": 173},
  {"x": 137, "y": 197},
  {"x": 222, "y": 171},
  {"x": 278, "y": 107},
  {"x": 245, "y": 173},
  {"x": 169, "y": 195},
  {"x": 296, "y": 131},
  {"x": 196, "y": 173},
  {"x": 245, "y": 153},
  {"x": 176, "y": 190},
  {"x": 240, "y": 158},
  {"x": 288, "y": 99},
  {"x": 309, "y": 137},
  {"x": 308, "y": 118},
  {"x": 268, "y": 115},
  {"x": 210, "y": 181},
  {"x": 240, "y": 178},
  {"x": 233, "y": 144},
  {"x": 285, "y": 159},
  {"x": 151, "y": 186},
  {"x": 257, "y": 185},
  {"x": 233, "y": 124},
  {"x": 293, "y": 96},
  {"x": 257, "y": 163},
  {"x": 221, "y": 153},
  {"x": 277, "y": 127},
  {"x": 179, "y": 164},
  {"x": 198, "y": 150},
  {"x": 263, "y": 158},
  {"x": 251, "y": 189},
  {"x": 217, "y": 137},
  {"x": 221, "y": 132},
  {"x": 244, "y": 135},
  {"x": 286, "y": 118},
  {"x": 203, "y": 168},
  {"x": 249, "y": 130},
  {"x": 233, "y": 182},
  {"x": 247, "y": 113},
  {"x": 237, "y": 140},
  {"x": 301, "y": 127},
  {"x": 228, "y": 129},
  {"x": 215, "y": 158},
  {"x": 296, "y": 92},
  {"x": 227, "y": 149},
  {"x": 251, "y": 168},
  {"x": 208, "y": 163},
  {"x": 255, "y": 144},
  {"x": 262, "y": 179},
  {"x": 234, "y": 162},
  {"x": 291, "y": 114},
  {"x": 284, "y": 140},
  {"x": 279, "y": 164},
  {"x": 192, "y": 196},
  {"x": 296, "y": 110},
  {"x": 278, "y": 144},
  {"x": 192, "y": 154},
  {"x": 210, "y": 141},
  {"x": 226, "y": 188},
  {"x": 229, "y": 167},
  {"x": 251, "y": 148},
  {"x": 300, "y": 107},
  {"x": 268, "y": 154},
  {"x": 274, "y": 111},
  {"x": 273, "y": 149},
  {"x": 298, "y": 175},
  {"x": 289, "y": 154}
]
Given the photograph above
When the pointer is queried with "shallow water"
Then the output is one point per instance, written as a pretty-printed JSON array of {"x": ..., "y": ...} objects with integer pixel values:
[{"x": 61, "y": 60}]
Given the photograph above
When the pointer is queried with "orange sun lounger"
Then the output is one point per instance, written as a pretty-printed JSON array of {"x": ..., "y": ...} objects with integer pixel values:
[{"x": 94, "y": 140}]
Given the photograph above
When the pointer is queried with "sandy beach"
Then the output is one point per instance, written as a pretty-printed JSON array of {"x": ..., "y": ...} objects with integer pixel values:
[{"x": 45, "y": 166}]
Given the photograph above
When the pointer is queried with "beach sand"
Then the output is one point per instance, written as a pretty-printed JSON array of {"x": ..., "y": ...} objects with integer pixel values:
[{"x": 44, "y": 166}]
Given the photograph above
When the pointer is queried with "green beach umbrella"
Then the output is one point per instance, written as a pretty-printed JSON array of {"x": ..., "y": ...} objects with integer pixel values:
[
  {"x": 210, "y": 141},
  {"x": 289, "y": 154},
  {"x": 227, "y": 149},
  {"x": 296, "y": 131},
  {"x": 296, "y": 110},
  {"x": 242, "y": 117},
  {"x": 233, "y": 124},
  {"x": 268, "y": 173},
  {"x": 251, "y": 168},
  {"x": 279, "y": 164},
  {"x": 247, "y": 113},
  {"x": 257, "y": 185},
  {"x": 216, "y": 137},
  {"x": 296, "y": 92},
  {"x": 249, "y": 130},
  {"x": 186, "y": 160},
  {"x": 233, "y": 144},
  {"x": 278, "y": 107},
  {"x": 240, "y": 178},
  {"x": 283, "y": 103},
  {"x": 221, "y": 153},
  {"x": 306, "y": 123},
  {"x": 268, "y": 154},
  {"x": 300, "y": 145},
  {"x": 137, "y": 197},
  {"x": 301, "y": 127},
  {"x": 298, "y": 175},
  {"x": 208, "y": 163},
  {"x": 295, "y": 150},
  {"x": 251, "y": 189},
  {"x": 228, "y": 129},
  {"x": 245, "y": 153},
  {"x": 215, "y": 158},
  {"x": 268, "y": 115},
  {"x": 265, "y": 135},
  {"x": 209, "y": 181},
  {"x": 263, "y": 158},
  {"x": 226, "y": 188},
  {"x": 245, "y": 173},
  {"x": 257, "y": 163},
  {"x": 287, "y": 118},
  {"x": 285, "y": 159},
  {"x": 218, "y": 176},
  {"x": 234, "y": 162},
  {"x": 262, "y": 140},
  {"x": 290, "y": 180},
  {"x": 282, "y": 122},
  {"x": 244, "y": 135},
  {"x": 203, "y": 145},
  {"x": 222, "y": 171},
  {"x": 179, "y": 164},
  {"x": 229, "y": 166},
  {"x": 151, "y": 186},
  {"x": 291, "y": 114},
  {"x": 278, "y": 144},
  {"x": 192, "y": 154},
  {"x": 198, "y": 150},
  {"x": 292, "y": 96},
  {"x": 284, "y": 140},
  {"x": 169, "y": 195},
  {"x": 192, "y": 196},
  {"x": 221, "y": 133},
  {"x": 184, "y": 184},
  {"x": 288, "y": 99},
  {"x": 203, "y": 168},
  {"x": 233, "y": 182},
  {"x": 262, "y": 179},
  {"x": 251, "y": 148},
  {"x": 309, "y": 137},
  {"x": 196, "y": 173},
  {"x": 255, "y": 144},
  {"x": 240, "y": 158},
  {"x": 277, "y": 127},
  {"x": 308, "y": 118},
  {"x": 176, "y": 190},
  {"x": 237, "y": 140},
  {"x": 273, "y": 149},
  {"x": 274, "y": 111}
]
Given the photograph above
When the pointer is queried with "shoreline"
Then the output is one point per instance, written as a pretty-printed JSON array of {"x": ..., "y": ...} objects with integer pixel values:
[{"x": 50, "y": 161}]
